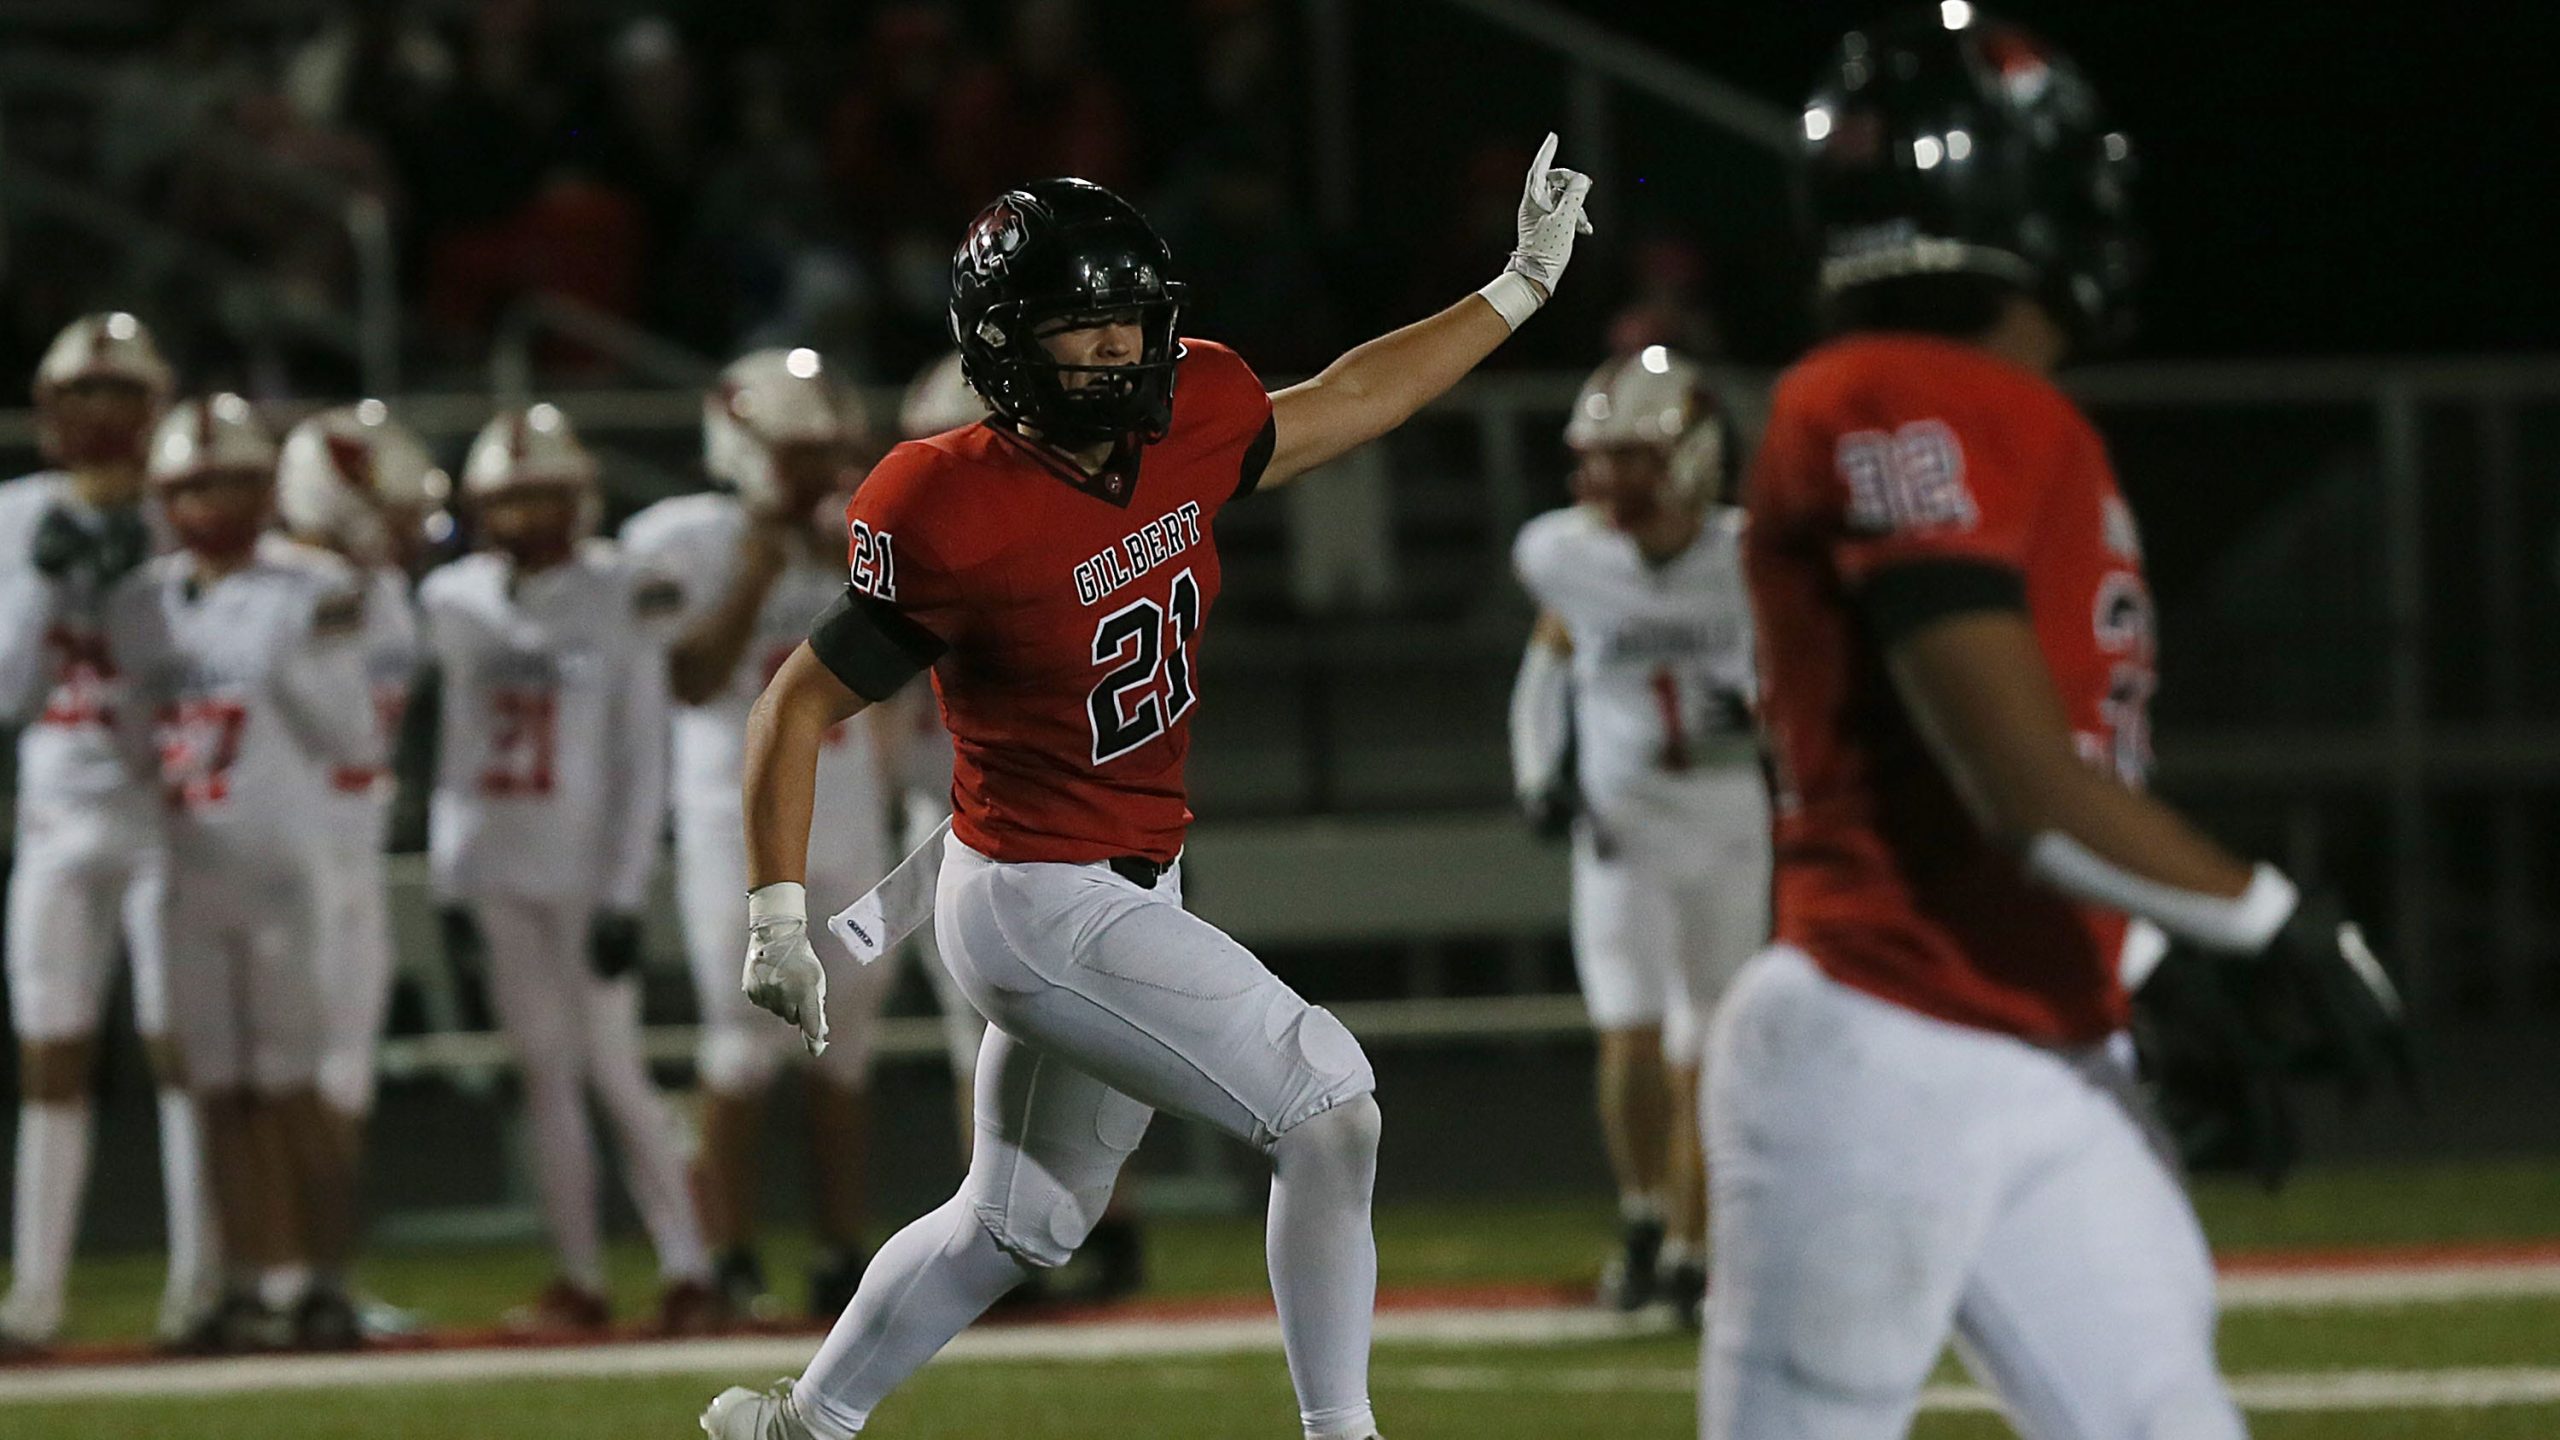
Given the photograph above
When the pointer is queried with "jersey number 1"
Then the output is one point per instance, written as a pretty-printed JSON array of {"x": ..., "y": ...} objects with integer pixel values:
[
  {"x": 522, "y": 742},
  {"x": 1128, "y": 707}
]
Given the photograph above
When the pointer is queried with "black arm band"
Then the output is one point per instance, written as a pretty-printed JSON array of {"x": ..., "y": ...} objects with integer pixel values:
[
  {"x": 870, "y": 646},
  {"x": 1257, "y": 457},
  {"x": 1903, "y": 599}
]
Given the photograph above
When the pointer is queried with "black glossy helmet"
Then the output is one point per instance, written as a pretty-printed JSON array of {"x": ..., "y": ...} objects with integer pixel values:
[
  {"x": 1065, "y": 249},
  {"x": 1951, "y": 143}
]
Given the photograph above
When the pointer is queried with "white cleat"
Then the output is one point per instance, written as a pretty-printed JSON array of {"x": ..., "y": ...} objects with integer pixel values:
[{"x": 743, "y": 1414}]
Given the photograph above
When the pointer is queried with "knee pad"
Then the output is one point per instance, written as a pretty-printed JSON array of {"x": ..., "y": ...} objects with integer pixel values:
[
  {"x": 1039, "y": 1213},
  {"x": 1344, "y": 1137},
  {"x": 735, "y": 1059}
]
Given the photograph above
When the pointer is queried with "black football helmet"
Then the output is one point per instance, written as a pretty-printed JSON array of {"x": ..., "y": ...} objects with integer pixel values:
[
  {"x": 1065, "y": 249},
  {"x": 1948, "y": 142}
]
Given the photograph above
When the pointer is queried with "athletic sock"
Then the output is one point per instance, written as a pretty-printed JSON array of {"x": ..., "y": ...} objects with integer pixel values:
[
  {"x": 925, "y": 1286},
  {"x": 281, "y": 1287},
  {"x": 1640, "y": 1207},
  {"x": 53, "y": 1173},
  {"x": 1323, "y": 1259},
  {"x": 194, "y": 1268}
]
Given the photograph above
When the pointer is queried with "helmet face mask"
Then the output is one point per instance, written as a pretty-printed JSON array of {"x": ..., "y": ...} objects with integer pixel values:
[
  {"x": 536, "y": 524},
  {"x": 1066, "y": 256},
  {"x": 219, "y": 514}
]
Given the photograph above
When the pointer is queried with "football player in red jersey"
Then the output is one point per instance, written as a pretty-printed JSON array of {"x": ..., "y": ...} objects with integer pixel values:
[
  {"x": 1054, "y": 566},
  {"x": 1922, "y": 1115}
]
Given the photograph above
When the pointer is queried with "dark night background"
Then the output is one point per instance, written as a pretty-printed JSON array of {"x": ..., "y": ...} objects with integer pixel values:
[{"x": 2318, "y": 179}]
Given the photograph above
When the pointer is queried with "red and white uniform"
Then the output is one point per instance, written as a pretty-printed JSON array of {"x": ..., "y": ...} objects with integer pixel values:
[
  {"x": 551, "y": 758},
  {"x": 88, "y": 857},
  {"x": 1671, "y": 860},
  {"x": 1921, "y": 1120},
  {"x": 254, "y": 691},
  {"x": 696, "y": 537},
  {"x": 1070, "y": 608},
  {"x": 357, "y": 966},
  {"x": 550, "y": 790}
]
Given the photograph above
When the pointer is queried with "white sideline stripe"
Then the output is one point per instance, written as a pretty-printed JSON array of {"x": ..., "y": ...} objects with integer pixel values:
[
  {"x": 753, "y": 1356},
  {"x": 762, "y": 1357},
  {"x": 2417, "y": 1284},
  {"x": 2338, "y": 1390}
]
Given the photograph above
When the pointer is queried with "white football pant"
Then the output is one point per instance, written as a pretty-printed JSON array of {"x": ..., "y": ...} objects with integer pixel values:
[
  {"x": 1883, "y": 1180},
  {"x": 1109, "y": 1002},
  {"x": 356, "y": 962},
  {"x": 1659, "y": 944},
  {"x": 574, "y": 1032}
]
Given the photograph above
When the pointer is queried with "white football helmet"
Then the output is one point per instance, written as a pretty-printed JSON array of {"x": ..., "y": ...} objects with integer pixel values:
[
  {"x": 1658, "y": 399},
  {"x": 534, "y": 448},
  {"x": 767, "y": 398},
  {"x": 110, "y": 345},
  {"x": 218, "y": 434},
  {"x": 345, "y": 474},
  {"x": 940, "y": 398}
]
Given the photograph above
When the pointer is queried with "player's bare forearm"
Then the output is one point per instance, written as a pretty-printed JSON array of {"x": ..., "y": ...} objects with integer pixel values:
[
  {"x": 703, "y": 658},
  {"x": 1378, "y": 386},
  {"x": 1977, "y": 687},
  {"x": 1550, "y": 631},
  {"x": 784, "y": 732}
]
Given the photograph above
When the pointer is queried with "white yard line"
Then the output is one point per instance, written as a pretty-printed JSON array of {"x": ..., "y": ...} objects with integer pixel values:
[
  {"x": 2341, "y": 1390},
  {"x": 764, "y": 1356}
]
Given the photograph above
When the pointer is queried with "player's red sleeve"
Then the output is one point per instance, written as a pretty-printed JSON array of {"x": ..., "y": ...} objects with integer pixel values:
[
  {"x": 1920, "y": 482},
  {"x": 899, "y": 552},
  {"x": 1221, "y": 404}
]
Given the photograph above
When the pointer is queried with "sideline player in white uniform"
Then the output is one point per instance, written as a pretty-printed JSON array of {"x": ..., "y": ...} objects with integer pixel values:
[
  {"x": 758, "y": 562},
  {"x": 1921, "y": 1122},
  {"x": 1054, "y": 571},
  {"x": 549, "y": 797},
  {"x": 1642, "y": 657},
  {"x": 87, "y": 850},
  {"x": 244, "y": 653},
  {"x": 354, "y": 482}
]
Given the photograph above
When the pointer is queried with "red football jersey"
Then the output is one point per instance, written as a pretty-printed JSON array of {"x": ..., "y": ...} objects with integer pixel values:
[
  {"x": 1893, "y": 449},
  {"x": 1071, "y": 606}
]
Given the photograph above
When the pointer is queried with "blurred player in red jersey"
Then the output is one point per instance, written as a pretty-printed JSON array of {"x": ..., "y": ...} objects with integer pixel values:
[
  {"x": 1922, "y": 1115},
  {"x": 1054, "y": 569}
]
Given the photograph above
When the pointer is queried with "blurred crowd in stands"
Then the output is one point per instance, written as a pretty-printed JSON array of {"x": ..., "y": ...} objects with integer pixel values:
[{"x": 740, "y": 173}]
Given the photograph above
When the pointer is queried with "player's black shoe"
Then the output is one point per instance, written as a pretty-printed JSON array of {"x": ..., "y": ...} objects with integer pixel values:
[
  {"x": 1684, "y": 1289},
  {"x": 832, "y": 1281},
  {"x": 327, "y": 1320},
  {"x": 739, "y": 1277},
  {"x": 240, "y": 1325},
  {"x": 1632, "y": 1280}
]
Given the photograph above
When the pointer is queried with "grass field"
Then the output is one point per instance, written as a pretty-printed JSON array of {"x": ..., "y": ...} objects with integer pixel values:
[{"x": 2485, "y": 1367}]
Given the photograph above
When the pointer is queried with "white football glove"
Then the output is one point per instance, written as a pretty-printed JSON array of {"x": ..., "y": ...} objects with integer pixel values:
[
  {"x": 1550, "y": 217},
  {"x": 783, "y": 974}
]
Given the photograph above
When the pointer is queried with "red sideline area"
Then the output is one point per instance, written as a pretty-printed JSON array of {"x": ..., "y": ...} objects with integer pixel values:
[
  {"x": 2361, "y": 1259},
  {"x": 1169, "y": 1310}
]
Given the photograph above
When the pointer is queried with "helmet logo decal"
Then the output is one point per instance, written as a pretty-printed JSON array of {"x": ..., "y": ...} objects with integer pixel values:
[
  {"x": 352, "y": 459},
  {"x": 996, "y": 236}
]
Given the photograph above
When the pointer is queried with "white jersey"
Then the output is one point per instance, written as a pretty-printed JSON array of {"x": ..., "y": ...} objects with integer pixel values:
[
  {"x": 1663, "y": 686},
  {"x": 551, "y": 751},
  {"x": 254, "y": 689},
  {"x": 693, "y": 540},
  {"x": 57, "y": 676},
  {"x": 359, "y": 806}
]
